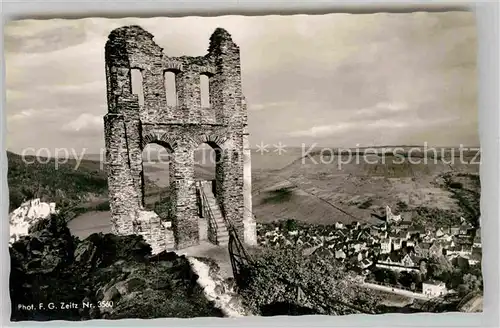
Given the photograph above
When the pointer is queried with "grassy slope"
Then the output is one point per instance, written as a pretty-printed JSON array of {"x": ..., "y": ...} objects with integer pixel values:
[
  {"x": 82, "y": 187},
  {"x": 283, "y": 186},
  {"x": 322, "y": 193},
  {"x": 62, "y": 183}
]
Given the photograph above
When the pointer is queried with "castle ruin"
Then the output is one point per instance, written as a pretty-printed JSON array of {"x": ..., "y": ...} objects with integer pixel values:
[{"x": 131, "y": 125}]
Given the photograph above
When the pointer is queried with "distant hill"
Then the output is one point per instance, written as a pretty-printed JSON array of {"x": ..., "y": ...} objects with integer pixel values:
[
  {"x": 323, "y": 189},
  {"x": 28, "y": 178},
  {"x": 317, "y": 188}
]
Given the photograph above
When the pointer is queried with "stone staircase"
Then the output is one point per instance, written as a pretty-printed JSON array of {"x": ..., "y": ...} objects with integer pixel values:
[{"x": 222, "y": 233}]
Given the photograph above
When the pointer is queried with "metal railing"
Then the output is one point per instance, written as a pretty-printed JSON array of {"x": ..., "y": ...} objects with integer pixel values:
[
  {"x": 205, "y": 209},
  {"x": 229, "y": 225}
]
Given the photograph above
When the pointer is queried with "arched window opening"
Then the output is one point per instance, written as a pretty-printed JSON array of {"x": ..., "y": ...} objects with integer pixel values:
[
  {"x": 137, "y": 84},
  {"x": 170, "y": 88},
  {"x": 204, "y": 161},
  {"x": 156, "y": 178},
  {"x": 205, "y": 91}
]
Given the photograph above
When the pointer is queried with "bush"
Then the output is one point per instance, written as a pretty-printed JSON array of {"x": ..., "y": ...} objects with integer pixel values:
[
  {"x": 291, "y": 225},
  {"x": 277, "y": 196},
  {"x": 276, "y": 274},
  {"x": 456, "y": 185},
  {"x": 366, "y": 204},
  {"x": 401, "y": 206}
]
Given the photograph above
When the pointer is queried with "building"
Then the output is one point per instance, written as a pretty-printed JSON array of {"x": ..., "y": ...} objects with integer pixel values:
[
  {"x": 404, "y": 235},
  {"x": 358, "y": 246},
  {"x": 462, "y": 250},
  {"x": 397, "y": 243},
  {"x": 439, "y": 233},
  {"x": 434, "y": 288},
  {"x": 410, "y": 261},
  {"x": 416, "y": 230},
  {"x": 406, "y": 222},
  {"x": 410, "y": 243},
  {"x": 396, "y": 262},
  {"x": 365, "y": 264},
  {"x": 390, "y": 218},
  {"x": 385, "y": 245},
  {"x": 476, "y": 256},
  {"x": 340, "y": 254},
  {"x": 363, "y": 235},
  {"x": 436, "y": 249},
  {"x": 445, "y": 237},
  {"x": 454, "y": 230},
  {"x": 422, "y": 249},
  {"x": 477, "y": 239},
  {"x": 465, "y": 229}
]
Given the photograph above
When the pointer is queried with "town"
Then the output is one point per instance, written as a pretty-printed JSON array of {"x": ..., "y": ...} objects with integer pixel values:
[{"x": 397, "y": 253}]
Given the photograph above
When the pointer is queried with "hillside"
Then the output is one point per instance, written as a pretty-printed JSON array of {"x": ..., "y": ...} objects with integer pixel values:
[
  {"x": 56, "y": 182},
  {"x": 314, "y": 188},
  {"x": 82, "y": 187},
  {"x": 319, "y": 190}
]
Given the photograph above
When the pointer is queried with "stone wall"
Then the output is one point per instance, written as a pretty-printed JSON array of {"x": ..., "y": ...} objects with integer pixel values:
[
  {"x": 130, "y": 126},
  {"x": 155, "y": 232}
]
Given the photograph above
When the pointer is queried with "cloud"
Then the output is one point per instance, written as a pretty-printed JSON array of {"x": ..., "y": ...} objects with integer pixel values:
[
  {"x": 13, "y": 95},
  {"x": 325, "y": 77},
  {"x": 84, "y": 122},
  {"x": 379, "y": 126},
  {"x": 32, "y": 114},
  {"x": 269, "y": 105},
  {"x": 88, "y": 87},
  {"x": 323, "y": 130},
  {"x": 28, "y": 113}
]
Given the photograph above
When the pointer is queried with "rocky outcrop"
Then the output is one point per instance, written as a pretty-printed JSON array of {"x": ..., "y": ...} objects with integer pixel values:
[
  {"x": 23, "y": 217},
  {"x": 102, "y": 277},
  {"x": 217, "y": 289}
]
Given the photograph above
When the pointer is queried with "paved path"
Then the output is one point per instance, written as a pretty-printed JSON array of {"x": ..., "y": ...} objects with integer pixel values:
[
  {"x": 218, "y": 253},
  {"x": 396, "y": 291}
]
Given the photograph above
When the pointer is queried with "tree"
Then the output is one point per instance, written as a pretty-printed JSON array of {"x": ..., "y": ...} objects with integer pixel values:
[
  {"x": 401, "y": 206},
  {"x": 406, "y": 279},
  {"x": 275, "y": 275},
  {"x": 471, "y": 283},
  {"x": 380, "y": 275},
  {"x": 393, "y": 277},
  {"x": 423, "y": 268},
  {"x": 439, "y": 267},
  {"x": 291, "y": 225}
]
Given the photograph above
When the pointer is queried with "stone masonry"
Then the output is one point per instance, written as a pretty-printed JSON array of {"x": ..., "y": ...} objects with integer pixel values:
[{"x": 130, "y": 126}]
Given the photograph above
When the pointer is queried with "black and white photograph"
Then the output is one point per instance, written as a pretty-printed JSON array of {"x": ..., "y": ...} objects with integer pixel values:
[{"x": 233, "y": 166}]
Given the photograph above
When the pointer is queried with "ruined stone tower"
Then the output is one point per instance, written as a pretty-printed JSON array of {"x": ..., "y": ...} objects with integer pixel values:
[{"x": 130, "y": 126}]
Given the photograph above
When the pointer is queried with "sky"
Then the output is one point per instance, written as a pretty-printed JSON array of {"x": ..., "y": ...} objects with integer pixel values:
[{"x": 337, "y": 80}]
